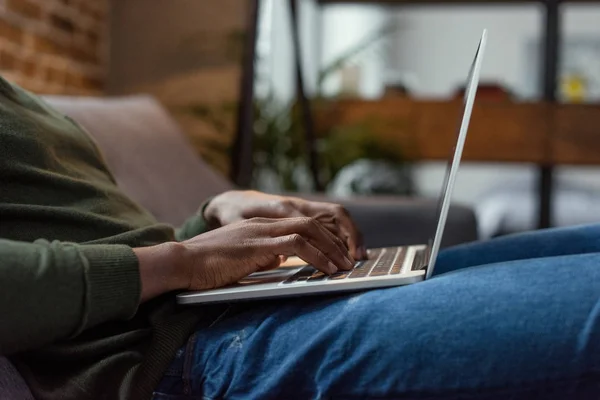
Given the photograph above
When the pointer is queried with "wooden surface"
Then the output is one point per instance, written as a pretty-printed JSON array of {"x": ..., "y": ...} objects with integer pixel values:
[{"x": 500, "y": 131}]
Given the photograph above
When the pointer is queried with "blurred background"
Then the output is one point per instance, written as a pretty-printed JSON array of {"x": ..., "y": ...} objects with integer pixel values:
[{"x": 355, "y": 98}]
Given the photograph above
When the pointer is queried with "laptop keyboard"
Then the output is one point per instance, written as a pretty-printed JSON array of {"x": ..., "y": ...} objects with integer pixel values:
[{"x": 381, "y": 262}]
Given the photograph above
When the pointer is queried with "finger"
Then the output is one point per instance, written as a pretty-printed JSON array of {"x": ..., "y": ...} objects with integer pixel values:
[
  {"x": 296, "y": 245},
  {"x": 332, "y": 226},
  {"x": 321, "y": 238},
  {"x": 346, "y": 228},
  {"x": 354, "y": 236},
  {"x": 281, "y": 207},
  {"x": 303, "y": 225},
  {"x": 294, "y": 207},
  {"x": 273, "y": 265},
  {"x": 327, "y": 219},
  {"x": 314, "y": 232},
  {"x": 332, "y": 230},
  {"x": 329, "y": 222},
  {"x": 318, "y": 236},
  {"x": 339, "y": 239}
]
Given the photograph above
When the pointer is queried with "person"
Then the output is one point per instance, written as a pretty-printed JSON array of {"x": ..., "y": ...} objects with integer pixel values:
[{"x": 87, "y": 282}]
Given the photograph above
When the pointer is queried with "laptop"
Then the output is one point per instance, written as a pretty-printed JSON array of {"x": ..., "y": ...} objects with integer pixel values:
[{"x": 385, "y": 267}]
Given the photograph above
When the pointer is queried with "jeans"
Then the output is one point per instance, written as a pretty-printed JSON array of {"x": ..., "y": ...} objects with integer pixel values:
[{"x": 512, "y": 318}]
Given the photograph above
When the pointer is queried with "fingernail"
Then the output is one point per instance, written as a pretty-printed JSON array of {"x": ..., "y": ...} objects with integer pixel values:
[
  {"x": 363, "y": 252},
  {"x": 349, "y": 263},
  {"x": 332, "y": 268}
]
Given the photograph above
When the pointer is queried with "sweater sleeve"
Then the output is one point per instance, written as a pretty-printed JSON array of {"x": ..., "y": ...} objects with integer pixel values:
[
  {"x": 51, "y": 291},
  {"x": 193, "y": 226}
]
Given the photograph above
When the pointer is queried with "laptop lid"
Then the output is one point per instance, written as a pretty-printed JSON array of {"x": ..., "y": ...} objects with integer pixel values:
[{"x": 454, "y": 162}]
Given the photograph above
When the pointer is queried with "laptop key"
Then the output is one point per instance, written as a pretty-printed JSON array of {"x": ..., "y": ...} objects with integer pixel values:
[
  {"x": 301, "y": 275},
  {"x": 359, "y": 273},
  {"x": 364, "y": 267},
  {"x": 374, "y": 253},
  {"x": 383, "y": 265},
  {"x": 318, "y": 276},
  {"x": 379, "y": 273},
  {"x": 397, "y": 267},
  {"x": 339, "y": 275}
]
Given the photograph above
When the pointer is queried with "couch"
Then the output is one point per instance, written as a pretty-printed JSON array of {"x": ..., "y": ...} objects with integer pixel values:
[{"x": 154, "y": 164}]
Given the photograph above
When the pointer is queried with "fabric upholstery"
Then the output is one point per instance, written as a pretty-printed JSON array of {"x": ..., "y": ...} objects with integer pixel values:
[
  {"x": 154, "y": 163},
  {"x": 150, "y": 157},
  {"x": 391, "y": 221}
]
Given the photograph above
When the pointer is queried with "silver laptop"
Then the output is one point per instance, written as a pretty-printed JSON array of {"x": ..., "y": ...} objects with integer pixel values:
[{"x": 386, "y": 267}]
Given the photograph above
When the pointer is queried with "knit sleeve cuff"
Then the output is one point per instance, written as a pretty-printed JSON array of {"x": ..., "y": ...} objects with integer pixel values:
[
  {"x": 194, "y": 225},
  {"x": 113, "y": 283}
]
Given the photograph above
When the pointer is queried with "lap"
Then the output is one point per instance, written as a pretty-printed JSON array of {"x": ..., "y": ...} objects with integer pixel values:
[
  {"x": 571, "y": 240},
  {"x": 485, "y": 332}
]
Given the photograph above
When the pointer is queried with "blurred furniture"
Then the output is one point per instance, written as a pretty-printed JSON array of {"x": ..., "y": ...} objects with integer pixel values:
[
  {"x": 155, "y": 165},
  {"x": 552, "y": 31},
  {"x": 241, "y": 158},
  {"x": 500, "y": 131},
  {"x": 549, "y": 81},
  {"x": 574, "y": 204}
]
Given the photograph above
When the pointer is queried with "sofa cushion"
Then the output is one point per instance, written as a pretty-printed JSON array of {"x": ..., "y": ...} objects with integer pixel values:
[
  {"x": 392, "y": 220},
  {"x": 150, "y": 157}
]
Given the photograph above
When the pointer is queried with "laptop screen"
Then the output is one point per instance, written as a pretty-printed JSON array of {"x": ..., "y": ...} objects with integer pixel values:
[{"x": 456, "y": 153}]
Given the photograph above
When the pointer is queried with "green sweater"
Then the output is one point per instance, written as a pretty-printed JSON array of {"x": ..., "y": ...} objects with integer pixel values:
[{"x": 69, "y": 280}]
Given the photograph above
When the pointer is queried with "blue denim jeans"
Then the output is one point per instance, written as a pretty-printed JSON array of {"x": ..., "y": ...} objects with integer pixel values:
[{"x": 512, "y": 318}]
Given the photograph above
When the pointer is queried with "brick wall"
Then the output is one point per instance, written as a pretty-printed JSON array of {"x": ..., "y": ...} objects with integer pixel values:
[{"x": 54, "y": 46}]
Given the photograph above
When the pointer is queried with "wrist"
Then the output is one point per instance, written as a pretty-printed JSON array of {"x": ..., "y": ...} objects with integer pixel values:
[{"x": 162, "y": 269}]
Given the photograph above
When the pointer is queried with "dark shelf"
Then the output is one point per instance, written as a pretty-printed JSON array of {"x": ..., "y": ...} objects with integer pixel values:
[{"x": 552, "y": 30}]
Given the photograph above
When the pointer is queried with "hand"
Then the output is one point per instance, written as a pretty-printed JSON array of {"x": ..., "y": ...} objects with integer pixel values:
[
  {"x": 235, "y": 206},
  {"x": 228, "y": 254}
]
